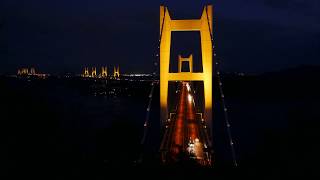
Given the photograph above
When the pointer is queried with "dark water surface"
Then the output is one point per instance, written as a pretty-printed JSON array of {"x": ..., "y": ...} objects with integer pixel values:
[{"x": 68, "y": 128}]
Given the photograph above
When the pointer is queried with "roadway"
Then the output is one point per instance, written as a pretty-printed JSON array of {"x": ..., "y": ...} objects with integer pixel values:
[{"x": 182, "y": 135}]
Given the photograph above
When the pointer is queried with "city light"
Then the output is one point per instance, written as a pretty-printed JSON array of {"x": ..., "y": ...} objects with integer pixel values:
[
  {"x": 188, "y": 87},
  {"x": 190, "y": 98},
  {"x": 25, "y": 72}
]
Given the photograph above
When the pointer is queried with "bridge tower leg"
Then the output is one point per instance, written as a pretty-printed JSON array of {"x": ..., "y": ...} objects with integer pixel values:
[
  {"x": 116, "y": 71},
  {"x": 86, "y": 72},
  {"x": 94, "y": 72},
  {"x": 104, "y": 72}
]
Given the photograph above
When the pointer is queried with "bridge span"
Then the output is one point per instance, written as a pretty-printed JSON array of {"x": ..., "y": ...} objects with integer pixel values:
[{"x": 186, "y": 135}]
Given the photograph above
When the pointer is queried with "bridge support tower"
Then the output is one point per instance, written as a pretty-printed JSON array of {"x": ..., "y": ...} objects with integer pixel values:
[{"x": 167, "y": 26}]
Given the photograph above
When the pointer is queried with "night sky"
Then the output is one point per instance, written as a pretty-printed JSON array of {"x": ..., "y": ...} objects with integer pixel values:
[{"x": 64, "y": 36}]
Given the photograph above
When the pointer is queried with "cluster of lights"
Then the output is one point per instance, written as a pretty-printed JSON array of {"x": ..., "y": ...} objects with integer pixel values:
[
  {"x": 191, "y": 145},
  {"x": 137, "y": 75},
  {"x": 190, "y": 98},
  {"x": 188, "y": 87},
  {"x": 32, "y": 72}
]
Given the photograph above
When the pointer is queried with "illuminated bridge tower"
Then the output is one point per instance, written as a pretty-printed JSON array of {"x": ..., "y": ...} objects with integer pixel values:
[
  {"x": 167, "y": 26},
  {"x": 94, "y": 72},
  {"x": 189, "y": 60},
  {"x": 104, "y": 72},
  {"x": 116, "y": 72},
  {"x": 86, "y": 72},
  {"x": 25, "y": 71},
  {"x": 32, "y": 71}
]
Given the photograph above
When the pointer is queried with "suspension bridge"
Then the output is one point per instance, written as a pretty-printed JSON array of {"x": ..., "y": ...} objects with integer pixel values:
[{"x": 187, "y": 128}]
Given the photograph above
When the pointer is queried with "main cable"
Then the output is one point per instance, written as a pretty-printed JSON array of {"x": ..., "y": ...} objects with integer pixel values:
[{"x": 223, "y": 103}]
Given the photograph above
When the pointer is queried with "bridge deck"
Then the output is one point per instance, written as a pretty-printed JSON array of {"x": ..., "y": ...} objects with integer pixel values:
[{"x": 185, "y": 134}]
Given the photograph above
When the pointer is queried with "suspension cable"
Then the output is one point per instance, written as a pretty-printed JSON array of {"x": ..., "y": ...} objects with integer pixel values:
[
  {"x": 223, "y": 103},
  {"x": 153, "y": 84}
]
